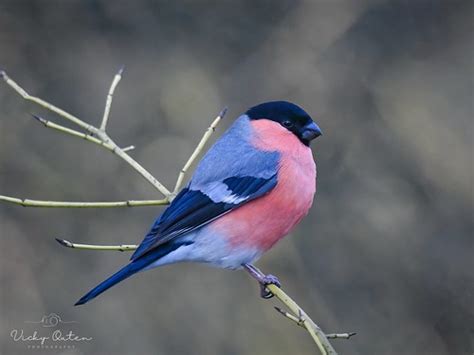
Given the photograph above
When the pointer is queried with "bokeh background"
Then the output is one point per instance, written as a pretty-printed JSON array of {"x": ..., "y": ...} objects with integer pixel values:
[{"x": 387, "y": 249}]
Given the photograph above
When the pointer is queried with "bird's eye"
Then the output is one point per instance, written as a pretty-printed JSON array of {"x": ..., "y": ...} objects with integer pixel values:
[{"x": 287, "y": 124}]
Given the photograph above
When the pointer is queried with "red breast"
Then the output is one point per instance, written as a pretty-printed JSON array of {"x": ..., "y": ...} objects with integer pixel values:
[{"x": 264, "y": 221}]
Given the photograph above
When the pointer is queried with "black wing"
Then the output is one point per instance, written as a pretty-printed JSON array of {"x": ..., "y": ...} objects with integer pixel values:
[{"x": 192, "y": 209}]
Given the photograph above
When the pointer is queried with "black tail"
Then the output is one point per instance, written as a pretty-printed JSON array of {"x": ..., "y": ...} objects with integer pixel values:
[
  {"x": 131, "y": 269},
  {"x": 121, "y": 275}
]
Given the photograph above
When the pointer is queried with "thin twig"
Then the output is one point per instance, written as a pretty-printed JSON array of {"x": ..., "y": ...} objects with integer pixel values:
[
  {"x": 123, "y": 247},
  {"x": 316, "y": 333},
  {"x": 150, "y": 178},
  {"x": 110, "y": 96},
  {"x": 45, "y": 104},
  {"x": 68, "y": 204},
  {"x": 101, "y": 135},
  {"x": 313, "y": 329},
  {"x": 73, "y": 132},
  {"x": 300, "y": 323},
  {"x": 198, "y": 150},
  {"x": 130, "y": 147},
  {"x": 340, "y": 335},
  {"x": 318, "y": 336},
  {"x": 290, "y": 316}
]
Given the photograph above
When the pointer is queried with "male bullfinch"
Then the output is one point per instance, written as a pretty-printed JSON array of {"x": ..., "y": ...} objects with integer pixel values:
[{"x": 249, "y": 190}]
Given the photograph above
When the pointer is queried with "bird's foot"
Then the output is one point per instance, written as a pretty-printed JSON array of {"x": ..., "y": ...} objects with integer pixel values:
[{"x": 264, "y": 282}]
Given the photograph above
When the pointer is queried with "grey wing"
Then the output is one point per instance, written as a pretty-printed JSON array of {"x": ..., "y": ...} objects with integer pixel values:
[{"x": 231, "y": 174}]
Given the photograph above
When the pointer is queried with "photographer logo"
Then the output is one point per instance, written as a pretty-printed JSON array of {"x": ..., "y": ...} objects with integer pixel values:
[{"x": 51, "y": 332}]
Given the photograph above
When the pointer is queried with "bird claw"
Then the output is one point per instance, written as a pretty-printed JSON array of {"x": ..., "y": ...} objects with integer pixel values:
[{"x": 268, "y": 280}]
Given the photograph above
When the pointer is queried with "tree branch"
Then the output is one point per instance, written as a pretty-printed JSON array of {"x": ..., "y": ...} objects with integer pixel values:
[
  {"x": 302, "y": 320},
  {"x": 299, "y": 322},
  {"x": 110, "y": 96},
  {"x": 72, "y": 132},
  {"x": 99, "y": 136},
  {"x": 65, "y": 204},
  {"x": 45, "y": 104},
  {"x": 198, "y": 150},
  {"x": 313, "y": 329},
  {"x": 123, "y": 247}
]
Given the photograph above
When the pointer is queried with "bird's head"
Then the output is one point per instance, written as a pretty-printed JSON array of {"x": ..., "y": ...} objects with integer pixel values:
[{"x": 288, "y": 115}]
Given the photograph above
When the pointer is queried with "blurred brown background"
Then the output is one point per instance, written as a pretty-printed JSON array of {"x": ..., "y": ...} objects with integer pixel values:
[{"x": 387, "y": 249}]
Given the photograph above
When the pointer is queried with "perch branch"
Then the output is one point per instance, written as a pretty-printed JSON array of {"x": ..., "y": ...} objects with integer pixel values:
[
  {"x": 302, "y": 320},
  {"x": 313, "y": 329}
]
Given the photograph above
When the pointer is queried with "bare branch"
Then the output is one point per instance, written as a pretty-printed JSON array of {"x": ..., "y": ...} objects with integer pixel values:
[
  {"x": 100, "y": 137},
  {"x": 340, "y": 335},
  {"x": 123, "y": 247},
  {"x": 64, "y": 204},
  {"x": 313, "y": 329},
  {"x": 198, "y": 149},
  {"x": 108, "y": 103},
  {"x": 73, "y": 132},
  {"x": 300, "y": 323},
  {"x": 290, "y": 316},
  {"x": 302, "y": 320},
  {"x": 130, "y": 147},
  {"x": 99, "y": 134},
  {"x": 46, "y": 105},
  {"x": 150, "y": 178}
]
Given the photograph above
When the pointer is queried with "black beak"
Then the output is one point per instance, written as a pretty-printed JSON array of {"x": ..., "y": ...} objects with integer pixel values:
[{"x": 310, "y": 132}]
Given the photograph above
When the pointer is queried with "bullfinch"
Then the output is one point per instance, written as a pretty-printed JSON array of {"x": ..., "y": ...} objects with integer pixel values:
[{"x": 248, "y": 191}]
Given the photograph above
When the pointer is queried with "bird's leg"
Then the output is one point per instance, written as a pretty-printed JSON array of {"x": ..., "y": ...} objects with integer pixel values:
[{"x": 262, "y": 279}]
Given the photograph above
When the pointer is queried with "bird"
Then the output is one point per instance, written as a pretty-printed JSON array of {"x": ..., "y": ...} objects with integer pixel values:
[{"x": 250, "y": 189}]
